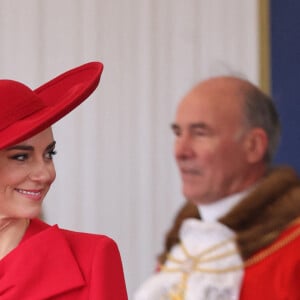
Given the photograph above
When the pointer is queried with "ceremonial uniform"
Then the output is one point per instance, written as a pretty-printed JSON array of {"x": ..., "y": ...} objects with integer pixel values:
[{"x": 251, "y": 252}]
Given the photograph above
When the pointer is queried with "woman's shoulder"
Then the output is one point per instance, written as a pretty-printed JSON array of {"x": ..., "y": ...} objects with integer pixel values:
[
  {"x": 91, "y": 248},
  {"x": 87, "y": 238},
  {"x": 79, "y": 242},
  {"x": 73, "y": 238}
]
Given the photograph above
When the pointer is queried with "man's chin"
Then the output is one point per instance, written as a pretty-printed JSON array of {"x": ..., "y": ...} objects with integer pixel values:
[
  {"x": 192, "y": 197},
  {"x": 196, "y": 198}
]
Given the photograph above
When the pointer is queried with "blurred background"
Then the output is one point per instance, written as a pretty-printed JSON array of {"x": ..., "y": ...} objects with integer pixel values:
[{"x": 115, "y": 169}]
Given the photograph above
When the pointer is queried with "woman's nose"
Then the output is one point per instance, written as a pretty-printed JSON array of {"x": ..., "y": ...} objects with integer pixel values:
[{"x": 42, "y": 171}]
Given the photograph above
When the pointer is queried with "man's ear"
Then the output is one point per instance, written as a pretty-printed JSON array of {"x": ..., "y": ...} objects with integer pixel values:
[{"x": 256, "y": 145}]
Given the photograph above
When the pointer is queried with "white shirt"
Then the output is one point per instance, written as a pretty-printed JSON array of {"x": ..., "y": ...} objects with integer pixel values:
[{"x": 215, "y": 210}]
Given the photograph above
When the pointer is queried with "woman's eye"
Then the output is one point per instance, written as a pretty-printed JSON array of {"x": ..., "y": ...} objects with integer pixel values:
[
  {"x": 51, "y": 153},
  {"x": 20, "y": 157}
]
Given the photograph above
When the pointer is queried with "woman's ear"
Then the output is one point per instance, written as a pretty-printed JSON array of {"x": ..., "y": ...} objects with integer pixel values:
[{"x": 256, "y": 145}]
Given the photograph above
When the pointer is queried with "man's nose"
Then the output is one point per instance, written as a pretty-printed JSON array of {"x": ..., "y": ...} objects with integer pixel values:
[{"x": 184, "y": 147}]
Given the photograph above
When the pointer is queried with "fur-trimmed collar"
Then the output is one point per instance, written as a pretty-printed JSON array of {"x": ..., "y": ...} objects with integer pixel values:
[
  {"x": 266, "y": 212},
  {"x": 259, "y": 218}
]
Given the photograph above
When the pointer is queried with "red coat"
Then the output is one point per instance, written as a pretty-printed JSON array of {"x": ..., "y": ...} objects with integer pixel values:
[
  {"x": 52, "y": 263},
  {"x": 276, "y": 277}
]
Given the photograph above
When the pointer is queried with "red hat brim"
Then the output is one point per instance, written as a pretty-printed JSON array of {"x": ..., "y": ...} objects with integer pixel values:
[{"x": 59, "y": 96}]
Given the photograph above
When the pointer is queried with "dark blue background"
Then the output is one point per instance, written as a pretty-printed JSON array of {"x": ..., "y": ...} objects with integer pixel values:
[{"x": 285, "y": 76}]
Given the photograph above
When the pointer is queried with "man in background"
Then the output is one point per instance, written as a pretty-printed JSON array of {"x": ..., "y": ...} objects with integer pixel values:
[{"x": 238, "y": 235}]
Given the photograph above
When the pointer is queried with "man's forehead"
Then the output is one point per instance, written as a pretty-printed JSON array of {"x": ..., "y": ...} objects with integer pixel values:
[
  {"x": 189, "y": 117},
  {"x": 219, "y": 101},
  {"x": 229, "y": 82},
  {"x": 191, "y": 125},
  {"x": 218, "y": 89}
]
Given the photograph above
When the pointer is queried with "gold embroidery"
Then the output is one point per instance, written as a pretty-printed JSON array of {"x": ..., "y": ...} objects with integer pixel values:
[{"x": 191, "y": 262}]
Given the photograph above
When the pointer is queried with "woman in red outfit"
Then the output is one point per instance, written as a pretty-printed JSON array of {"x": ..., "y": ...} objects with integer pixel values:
[{"x": 39, "y": 261}]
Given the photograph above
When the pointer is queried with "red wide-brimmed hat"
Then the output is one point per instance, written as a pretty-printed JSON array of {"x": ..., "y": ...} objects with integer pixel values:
[{"x": 25, "y": 112}]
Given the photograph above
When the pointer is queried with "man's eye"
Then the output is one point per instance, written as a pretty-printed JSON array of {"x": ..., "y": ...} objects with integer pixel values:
[
  {"x": 199, "y": 132},
  {"x": 176, "y": 131}
]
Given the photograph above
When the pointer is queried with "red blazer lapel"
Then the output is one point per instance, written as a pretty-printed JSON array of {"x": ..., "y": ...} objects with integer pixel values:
[{"x": 40, "y": 267}]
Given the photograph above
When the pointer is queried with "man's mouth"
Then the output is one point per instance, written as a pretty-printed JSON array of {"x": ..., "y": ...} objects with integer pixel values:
[{"x": 190, "y": 171}]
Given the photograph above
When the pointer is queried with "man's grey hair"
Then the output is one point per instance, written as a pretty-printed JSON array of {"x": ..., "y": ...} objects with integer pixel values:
[{"x": 261, "y": 112}]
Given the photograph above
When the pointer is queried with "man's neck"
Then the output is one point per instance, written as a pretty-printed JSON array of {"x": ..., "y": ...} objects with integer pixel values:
[{"x": 214, "y": 211}]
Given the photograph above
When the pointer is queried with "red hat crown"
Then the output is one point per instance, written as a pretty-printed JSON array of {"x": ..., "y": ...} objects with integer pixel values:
[
  {"x": 17, "y": 101},
  {"x": 25, "y": 112}
]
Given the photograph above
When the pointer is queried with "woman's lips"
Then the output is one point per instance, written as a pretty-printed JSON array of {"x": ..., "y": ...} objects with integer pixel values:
[{"x": 32, "y": 194}]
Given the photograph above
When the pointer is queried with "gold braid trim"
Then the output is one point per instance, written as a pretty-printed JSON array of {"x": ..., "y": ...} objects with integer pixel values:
[
  {"x": 177, "y": 292},
  {"x": 274, "y": 247},
  {"x": 251, "y": 261}
]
